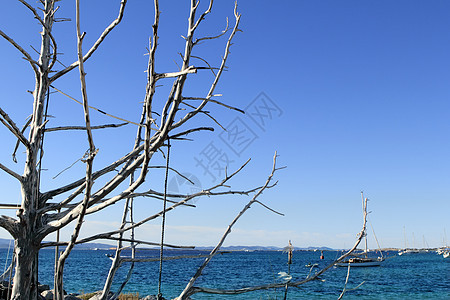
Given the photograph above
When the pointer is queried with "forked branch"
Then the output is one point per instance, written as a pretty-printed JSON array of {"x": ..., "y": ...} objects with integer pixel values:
[
  {"x": 189, "y": 289},
  {"x": 6, "y": 120},
  {"x": 213, "y": 86},
  {"x": 194, "y": 289},
  {"x": 11, "y": 172},
  {"x": 96, "y": 44}
]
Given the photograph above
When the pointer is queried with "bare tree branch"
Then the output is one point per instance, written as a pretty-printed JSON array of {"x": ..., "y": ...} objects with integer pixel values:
[
  {"x": 94, "y": 108},
  {"x": 9, "y": 224},
  {"x": 197, "y": 41},
  {"x": 177, "y": 135},
  {"x": 18, "y": 140},
  {"x": 345, "y": 285},
  {"x": 10, "y": 172},
  {"x": 202, "y": 16},
  {"x": 95, "y": 175},
  {"x": 207, "y": 192},
  {"x": 61, "y": 128},
  {"x": 59, "y": 292},
  {"x": 36, "y": 16},
  {"x": 219, "y": 72},
  {"x": 6, "y": 120},
  {"x": 164, "y": 258},
  {"x": 32, "y": 62},
  {"x": 96, "y": 44},
  {"x": 189, "y": 70},
  {"x": 216, "y": 102},
  {"x": 194, "y": 290},
  {"x": 189, "y": 287},
  {"x": 206, "y": 62},
  {"x": 143, "y": 159}
]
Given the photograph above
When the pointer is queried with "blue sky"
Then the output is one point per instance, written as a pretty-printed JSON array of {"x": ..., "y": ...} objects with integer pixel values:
[{"x": 358, "y": 94}]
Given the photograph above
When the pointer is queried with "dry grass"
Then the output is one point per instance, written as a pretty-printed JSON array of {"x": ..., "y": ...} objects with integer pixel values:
[{"x": 129, "y": 296}]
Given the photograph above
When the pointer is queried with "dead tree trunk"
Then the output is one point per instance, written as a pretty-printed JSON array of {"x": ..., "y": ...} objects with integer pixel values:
[
  {"x": 37, "y": 218},
  {"x": 27, "y": 239},
  {"x": 25, "y": 281}
]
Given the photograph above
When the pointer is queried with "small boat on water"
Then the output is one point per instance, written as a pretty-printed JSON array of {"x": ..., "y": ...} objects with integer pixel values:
[
  {"x": 445, "y": 251},
  {"x": 408, "y": 251},
  {"x": 363, "y": 259}
]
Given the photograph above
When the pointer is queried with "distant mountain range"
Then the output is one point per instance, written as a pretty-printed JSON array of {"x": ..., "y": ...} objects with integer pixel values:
[
  {"x": 262, "y": 248},
  {"x": 6, "y": 243}
]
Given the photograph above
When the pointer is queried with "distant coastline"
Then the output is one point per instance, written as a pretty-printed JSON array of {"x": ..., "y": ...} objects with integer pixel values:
[{"x": 7, "y": 243}]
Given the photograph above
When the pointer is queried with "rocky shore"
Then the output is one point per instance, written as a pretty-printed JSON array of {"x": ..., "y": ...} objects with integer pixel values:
[{"x": 45, "y": 293}]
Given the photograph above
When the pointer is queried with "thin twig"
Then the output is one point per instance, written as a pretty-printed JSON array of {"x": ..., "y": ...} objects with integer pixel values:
[
  {"x": 10, "y": 172},
  {"x": 360, "y": 235},
  {"x": 94, "y": 108},
  {"x": 6, "y": 120},
  {"x": 188, "y": 290},
  {"x": 61, "y": 128},
  {"x": 96, "y": 44},
  {"x": 32, "y": 62}
]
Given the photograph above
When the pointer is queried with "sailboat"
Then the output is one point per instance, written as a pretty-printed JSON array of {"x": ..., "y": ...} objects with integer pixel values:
[
  {"x": 363, "y": 259},
  {"x": 407, "y": 250},
  {"x": 445, "y": 251}
]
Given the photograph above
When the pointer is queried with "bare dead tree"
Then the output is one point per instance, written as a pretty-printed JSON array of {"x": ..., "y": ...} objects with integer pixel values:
[{"x": 37, "y": 217}]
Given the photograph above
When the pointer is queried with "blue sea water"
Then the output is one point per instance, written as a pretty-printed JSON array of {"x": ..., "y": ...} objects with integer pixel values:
[{"x": 414, "y": 276}]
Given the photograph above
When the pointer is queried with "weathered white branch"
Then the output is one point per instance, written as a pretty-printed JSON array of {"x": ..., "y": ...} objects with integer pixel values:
[
  {"x": 94, "y": 108},
  {"x": 194, "y": 289},
  {"x": 177, "y": 135},
  {"x": 6, "y": 120},
  {"x": 97, "y": 174},
  {"x": 9, "y": 224},
  {"x": 189, "y": 287},
  {"x": 18, "y": 140},
  {"x": 216, "y": 102},
  {"x": 202, "y": 17},
  {"x": 28, "y": 57},
  {"x": 164, "y": 258},
  {"x": 217, "y": 77},
  {"x": 189, "y": 70},
  {"x": 61, "y": 128},
  {"x": 59, "y": 292},
  {"x": 345, "y": 285},
  {"x": 149, "y": 243},
  {"x": 208, "y": 192},
  {"x": 10, "y": 172},
  {"x": 213, "y": 37},
  {"x": 96, "y": 44},
  {"x": 45, "y": 27}
]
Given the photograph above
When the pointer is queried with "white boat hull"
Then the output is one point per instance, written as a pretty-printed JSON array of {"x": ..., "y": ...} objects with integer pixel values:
[{"x": 360, "y": 264}]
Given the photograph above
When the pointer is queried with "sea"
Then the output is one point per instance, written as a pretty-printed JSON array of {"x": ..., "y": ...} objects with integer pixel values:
[{"x": 412, "y": 276}]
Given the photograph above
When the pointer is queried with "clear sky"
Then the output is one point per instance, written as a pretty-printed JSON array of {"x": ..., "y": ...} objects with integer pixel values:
[{"x": 353, "y": 95}]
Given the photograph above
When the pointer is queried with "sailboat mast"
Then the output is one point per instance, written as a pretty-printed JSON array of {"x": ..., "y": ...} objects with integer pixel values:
[
  {"x": 404, "y": 235},
  {"x": 364, "y": 213}
]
